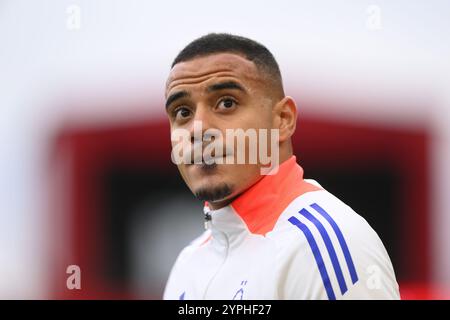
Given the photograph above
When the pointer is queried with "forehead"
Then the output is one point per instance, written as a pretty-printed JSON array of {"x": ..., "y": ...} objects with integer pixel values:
[{"x": 205, "y": 68}]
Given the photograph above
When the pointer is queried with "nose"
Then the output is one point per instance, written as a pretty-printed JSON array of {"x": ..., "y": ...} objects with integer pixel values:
[{"x": 202, "y": 121}]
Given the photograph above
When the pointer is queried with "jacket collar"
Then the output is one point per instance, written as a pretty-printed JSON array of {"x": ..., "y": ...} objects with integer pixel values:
[{"x": 259, "y": 207}]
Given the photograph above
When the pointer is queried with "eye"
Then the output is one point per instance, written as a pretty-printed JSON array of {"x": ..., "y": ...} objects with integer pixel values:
[
  {"x": 181, "y": 113},
  {"x": 227, "y": 104}
]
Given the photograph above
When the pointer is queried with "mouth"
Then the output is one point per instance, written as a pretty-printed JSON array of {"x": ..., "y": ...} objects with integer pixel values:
[
  {"x": 210, "y": 165},
  {"x": 202, "y": 169},
  {"x": 211, "y": 161},
  {"x": 207, "y": 167}
]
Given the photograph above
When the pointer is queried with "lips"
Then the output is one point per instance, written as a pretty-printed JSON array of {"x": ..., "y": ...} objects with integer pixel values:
[
  {"x": 210, "y": 161},
  {"x": 198, "y": 156}
]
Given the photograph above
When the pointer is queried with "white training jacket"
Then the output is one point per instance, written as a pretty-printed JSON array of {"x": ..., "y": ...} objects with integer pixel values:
[{"x": 284, "y": 238}]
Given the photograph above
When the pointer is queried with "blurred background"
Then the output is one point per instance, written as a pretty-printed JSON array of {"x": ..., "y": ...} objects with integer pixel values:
[{"x": 85, "y": 171}]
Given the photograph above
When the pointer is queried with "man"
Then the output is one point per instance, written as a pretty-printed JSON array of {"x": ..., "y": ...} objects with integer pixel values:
[{"x": 273, "y": 235}]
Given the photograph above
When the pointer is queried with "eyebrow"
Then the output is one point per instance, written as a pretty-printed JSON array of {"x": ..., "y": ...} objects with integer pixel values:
[
  {"x": 175, "y": 96},
  {"x": 215, "y": 87},
  {"x": 225, "y": 85}
]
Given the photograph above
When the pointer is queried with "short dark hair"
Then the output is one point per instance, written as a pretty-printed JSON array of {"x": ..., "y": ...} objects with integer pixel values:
[{"x": 223, "y": 42}]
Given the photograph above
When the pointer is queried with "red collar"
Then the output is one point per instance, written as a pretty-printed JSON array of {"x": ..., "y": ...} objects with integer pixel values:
[{"x": 261, "y": 205}]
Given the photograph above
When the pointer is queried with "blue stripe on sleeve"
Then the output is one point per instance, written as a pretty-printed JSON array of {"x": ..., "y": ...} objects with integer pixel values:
[
  {"x": 343, "y": 243},
  {"x": 317, "y": 256},
  {"x": 329, "y": 246}
]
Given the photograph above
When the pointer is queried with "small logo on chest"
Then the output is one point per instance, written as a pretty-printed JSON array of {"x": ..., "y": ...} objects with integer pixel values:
[{"x": 239, "y": 295}]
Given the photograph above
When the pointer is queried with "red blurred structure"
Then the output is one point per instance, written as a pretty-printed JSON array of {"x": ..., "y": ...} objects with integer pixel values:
[{"x": 319, "y": 145}]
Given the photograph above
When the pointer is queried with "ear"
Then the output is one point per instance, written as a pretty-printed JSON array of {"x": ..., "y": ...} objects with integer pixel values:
[{"x": 285, "y": 117}]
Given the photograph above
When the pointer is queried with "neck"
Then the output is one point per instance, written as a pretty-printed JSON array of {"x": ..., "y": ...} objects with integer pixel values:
[{"x": 285, "y": 154}]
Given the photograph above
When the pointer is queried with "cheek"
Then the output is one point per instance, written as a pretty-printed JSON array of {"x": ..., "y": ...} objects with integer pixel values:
[
  {"x": 182, "y": 170},
  {"x": 257, "y": 116},
  {"x": 239, "y": 174}
]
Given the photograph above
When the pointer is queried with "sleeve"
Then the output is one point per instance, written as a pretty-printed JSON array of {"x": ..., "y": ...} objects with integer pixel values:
[
  {"x": 172, "y": 286},
  {"x": 339, "y": 257},
  {"x": 177, "y": 280}
]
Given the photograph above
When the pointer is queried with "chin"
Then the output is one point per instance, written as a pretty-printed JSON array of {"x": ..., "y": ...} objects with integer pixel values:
[{"x": 213, "y": 192}]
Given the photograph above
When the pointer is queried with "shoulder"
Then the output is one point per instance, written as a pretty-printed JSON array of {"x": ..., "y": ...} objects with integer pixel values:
[
  {"x": 331, "y": 249},
  {"x": 320, "y": 213},
  {"x": 177, "y": 274},
  {"x": 193, "y": 246}
]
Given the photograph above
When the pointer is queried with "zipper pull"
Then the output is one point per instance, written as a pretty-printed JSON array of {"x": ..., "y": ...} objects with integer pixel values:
[
  {"x": 207, "y": 217},
  {"x": 207, "y": 220}
]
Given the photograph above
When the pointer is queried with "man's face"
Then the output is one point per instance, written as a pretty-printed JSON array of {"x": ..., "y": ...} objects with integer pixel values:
[{"x": 222, "y": 91}]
